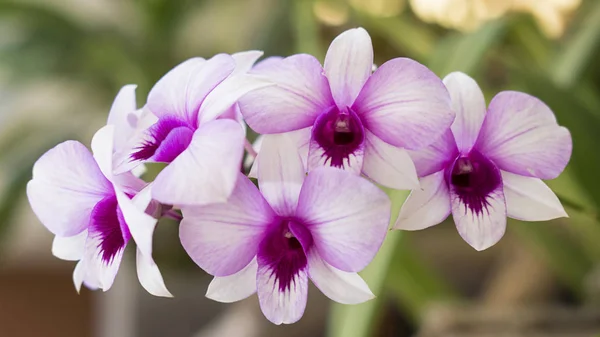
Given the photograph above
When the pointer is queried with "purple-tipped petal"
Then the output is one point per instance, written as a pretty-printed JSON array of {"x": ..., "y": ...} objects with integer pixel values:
[
  {"x": 340, "y": 286},
  {"x": 405, "y": 104},
  {"x": 182, "y": 90},
  {"x": 529, "y": 199},
  {"x": 426, "y": 206},
  {"x": 207, "y": 170},
  {"x": 301, "y": 92},
  {"x": 347, "y": 216},
  {"x": 69, "y": 248},
  {"x": 234, "y": 287},
  {"x": 66, "y": 186},
  {"x": 121, "y": 113},
  {"x": 348, "y": 65},
  {"x": 281, "y": 306},
  {"x": 436, "y": 156},
  {"x": 280, "y": 173},
  {"x": 245, "y": 60},
  {"x": 177, "y": 140},
  {"x": 520, "y": 135},
  {"x": 469, "y": 105},
  {"x": 223, "y": 238},
  {"x": 388, "y": 165},
  {"x": 149, "y": 275}
]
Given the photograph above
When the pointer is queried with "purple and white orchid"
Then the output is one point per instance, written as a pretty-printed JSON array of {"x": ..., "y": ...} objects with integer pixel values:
[
  {"x": 90, "y": 210},
  {"x": 188, "y": 133},
  {"x": 353, "y": 119},
  {"x": 325, "y": 226},
  {"x": 489, "y": 165}
]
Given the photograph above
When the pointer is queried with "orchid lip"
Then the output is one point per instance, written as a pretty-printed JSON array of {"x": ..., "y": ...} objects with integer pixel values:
[
  {"x": 167, "y": 139},
  {"x": 473, "y": 177},
  {"x": 108, "y": 223},
  {"x": 340, "y": 133}
]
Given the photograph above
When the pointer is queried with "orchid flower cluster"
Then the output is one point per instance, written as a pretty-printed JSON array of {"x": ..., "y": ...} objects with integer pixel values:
[{"x": 329, "y": 134}]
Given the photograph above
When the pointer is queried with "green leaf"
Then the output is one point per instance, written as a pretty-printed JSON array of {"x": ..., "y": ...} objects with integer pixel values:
[{"x": 306, "y": 29}]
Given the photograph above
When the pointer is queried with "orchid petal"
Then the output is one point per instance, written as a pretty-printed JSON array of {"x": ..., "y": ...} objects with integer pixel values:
[
  {"x": 150, "y": 276},
  {"x": 520, "y": 135},
  {"x": 436, "y": 156},
  {"x": 469, "y": 105},
  {"x": 207, "y": 170},
  {"x": 318, "y": 157},
  {"x": 405, "y": 104},
  {"x": 340, "y": 286},
  {"x": 245, "y": 60},
  {"x": 281, "y": 305},
  {"x": 223, "y": 238},
  {"x": 78, "y": 275},
  {"x": 69, "y": 248},
  {"x": 529, "y": 199},
  {"x": 122, "y": 161},
  {"x": 140, "y": 225},
  {"x": 348, "y": 65},
  {"x": 265, "y": 64},
  {"x": 300, "y": 137},
  {"x": 480, "y": 229},
  {"x": 102, "y": 149},
  {"x": 347, "y": 216},
  {"x": 426, "y": 206},
  {"x": 119, "y": 115},
  {"x": 235, "y": 287},
  {"x": 183, "y": 89},
  {"x": 280, "y": 173},
  {"x": 388, "y": 165},
  {"x": 66, "y": 186},
  {"x": 300, "y": 94}
]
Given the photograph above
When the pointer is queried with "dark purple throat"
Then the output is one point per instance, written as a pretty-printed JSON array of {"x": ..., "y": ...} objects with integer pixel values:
[
  {"x": 165, "y": 140},
  {"x": 283, "y": 249},
  {"x": 109, "y": 227},
  {"x": 339, "y": 133},
  {"x": 473, "y": 178}
]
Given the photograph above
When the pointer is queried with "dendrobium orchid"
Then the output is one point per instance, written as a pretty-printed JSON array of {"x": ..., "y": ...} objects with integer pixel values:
[
  {"x": 325, "y": 226},
  {"x": 189, "y": 134},
  {"x": 78, "y": 198},
  {"x": 353, "y": 118},
  {"x": 489, "y": 165}
]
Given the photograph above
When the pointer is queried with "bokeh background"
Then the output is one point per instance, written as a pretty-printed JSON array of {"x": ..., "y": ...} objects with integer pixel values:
[{"x": 62, "y": 62}]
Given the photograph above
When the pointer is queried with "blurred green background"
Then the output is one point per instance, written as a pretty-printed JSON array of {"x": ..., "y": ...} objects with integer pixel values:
[{"x": 62, "y": 62}]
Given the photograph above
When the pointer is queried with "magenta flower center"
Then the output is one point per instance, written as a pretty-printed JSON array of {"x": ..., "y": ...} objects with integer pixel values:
[
  {"x": 166, "y": 140},
  {"x": 473, "y": 178},
  {"x": 339, "y": 133},
  {"x": 283, "y": 250},
  {"x": 108, "y": 226}
]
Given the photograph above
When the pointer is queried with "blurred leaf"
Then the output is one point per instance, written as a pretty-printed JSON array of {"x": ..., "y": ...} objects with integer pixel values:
[
  {"x": 465, "y": 52},
  {"x": 357, "y": 320},
  {"x": 579, "y": 51},
  {"x": 306, "y": 29}
]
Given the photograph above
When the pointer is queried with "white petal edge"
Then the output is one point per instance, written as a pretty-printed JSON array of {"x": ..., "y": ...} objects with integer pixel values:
[
  {"x": 69, "y": 248},
  {"x": 234, "y": 287},
  {"x": 279, "y": 307},
  {"x": 149, "y": 275},
  {"x": 245, "y": 60}
]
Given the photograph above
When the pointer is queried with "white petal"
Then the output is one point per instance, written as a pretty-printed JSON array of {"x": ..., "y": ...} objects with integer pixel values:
[
  {"x": 317, "y": 157},
  {"x": 469, "y": 105},
  {"x": 141, "y": 225},
  {"x": 150, "y": 276},
  {"x": 69, "y": 248},
  {"x": 348, "y": 65},
  {"x": 426, "y": 206},
  {"x": 340, "y": 286},
  {"x": 280, "y": 173},
  {"x": 123, "y": 105},
  {"x": 347, "y": 216},
  {"x": 388, "y": 165},
  {"x": 207, "y": 170},
  {"x": 102, "y": 273},
  {"x": 78, "y": 275},
  {"x": 300, "y": 137},
  {"x": 234, "y": 287},
  {"x": 223, "y": 238},
  {"x": 529, "y": 199},
  {"x": 278, "y": 306},
  {"x": 103, "y": 149},
  {"x": 245, "y": 60}
]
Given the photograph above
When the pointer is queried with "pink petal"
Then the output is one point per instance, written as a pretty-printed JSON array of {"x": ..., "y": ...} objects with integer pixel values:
[
  {"x": 280, "y": 173},
  {"x": 436, "y": 156},
  {"x": 279, "y": 306},
  {"x": 300, "y": 94},
  {"x": 234, "y": 287},
  {"x": 223, "y": 238},
  {"x": 469, "y": 105},
  {"x": 348, "y": 65},
  {"x": 520, "y": 135},
  {"x": 66, "y": 186},
  {"x": 482, "y": 229},
  {"x": 529, "y": 199},
  {"x": 182, "y": 90},
  {"x": 405, "y": 104},
  {"x": 340, "y": 286},
  {"x": 69, "y": 248},
  {"x": 150, "y": 276},
  {"x": 207, "y": 170},
  {"x": 265, "y": 64},
  {"x": 388, "y": 165},
  {"x": 427, "y": 206},
  {"x": 347, "y": 216}
]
